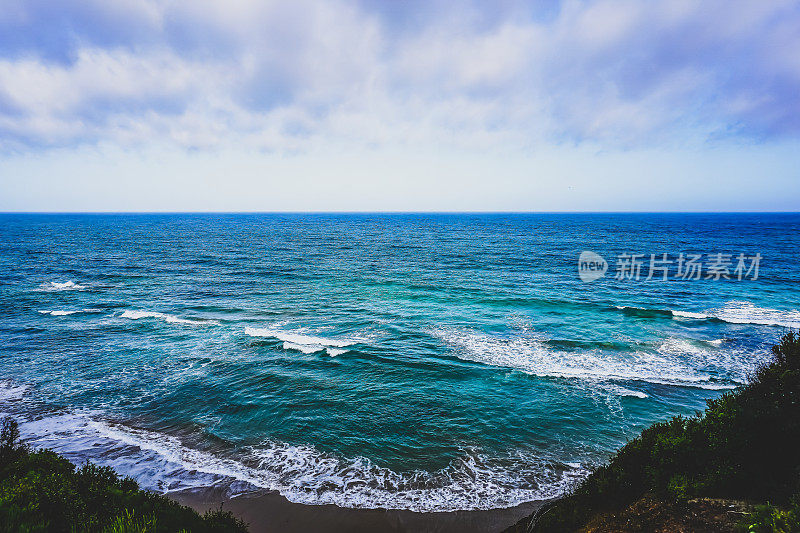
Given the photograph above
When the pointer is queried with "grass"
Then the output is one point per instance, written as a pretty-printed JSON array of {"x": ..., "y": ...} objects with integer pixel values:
[
  {"x": 41, "y": 491},
  {"x": 745, "y": 446}
]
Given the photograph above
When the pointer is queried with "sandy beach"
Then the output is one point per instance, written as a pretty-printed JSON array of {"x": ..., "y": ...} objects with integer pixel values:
[{"x": 272, "y": 513}]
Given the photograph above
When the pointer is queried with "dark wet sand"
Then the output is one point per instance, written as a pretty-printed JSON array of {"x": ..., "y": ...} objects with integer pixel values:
[{"x": 272, "y": 513}]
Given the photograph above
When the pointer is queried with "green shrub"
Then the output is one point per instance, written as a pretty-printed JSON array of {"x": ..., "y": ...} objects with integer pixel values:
[
  {"x": 42, "y": 491},
  {"x": 744, "y": 446},
  {"x": 128, "y": 523},
  {"x": 771, "y": 519}
]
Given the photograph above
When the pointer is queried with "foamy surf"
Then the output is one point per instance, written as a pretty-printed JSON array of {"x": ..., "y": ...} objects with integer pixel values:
[
  {"x": 305, "y": 348},
  {"x": 303, "y": 342},
  {"x": 739, "y": 312},
  {"x": 136, "y": 315},
  {"x": 673, "y": 362},
  {"x": 314, "y": 348},
  {"x": 733, "y": 312},
  {"x": 12, "y": 392},
  {"x": 55, "y": 286},
  {"x": 303, "y": 474},
  {"x": 59, "y": 312},
  {"x": 689, "y": 314}
]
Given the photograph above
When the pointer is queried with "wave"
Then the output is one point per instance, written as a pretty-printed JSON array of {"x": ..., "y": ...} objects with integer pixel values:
[
  {"x": 314, "y": 348},
  {"x": 733, "y": 312},
  {"x": 662, "y": 313},
  {"x": 643, "y": 312},
  {"x": 305, "y": 348},
  {"x": 301, "y": 473},
  {"x": 10, "y": 391},
  {"x": 300, "y": 341},
  {"x": 739, "y": 312},
  {"x": 687, "y": 314},
  {"x": 55, "y": 286},
  {"x": 66, "y": 313},
  {"x": 673, "y": 362},
  {"x": 136, "y": 315}
]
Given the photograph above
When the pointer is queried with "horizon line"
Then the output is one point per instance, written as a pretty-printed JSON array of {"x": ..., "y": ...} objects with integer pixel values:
[{"x": 399, "y": 212}]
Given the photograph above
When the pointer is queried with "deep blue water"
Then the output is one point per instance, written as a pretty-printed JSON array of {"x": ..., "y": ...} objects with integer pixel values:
[{"x": 427, "y": 362}]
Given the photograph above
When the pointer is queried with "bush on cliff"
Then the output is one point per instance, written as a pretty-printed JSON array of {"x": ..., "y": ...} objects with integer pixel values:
[
  {"x": 41, "y": 491},
  {"x": 746, "y": 445}
]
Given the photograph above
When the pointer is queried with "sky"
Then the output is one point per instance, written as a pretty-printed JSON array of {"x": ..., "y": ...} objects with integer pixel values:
[{"x": 314, "y": 105}]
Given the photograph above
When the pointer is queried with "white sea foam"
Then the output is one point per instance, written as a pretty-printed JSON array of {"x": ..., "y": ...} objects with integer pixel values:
[
  {"x": 297, "y": 337},
  {"x": 305, "y": 348},
  {"x": 301, "y": 341},
  {"x": 10, "y": 391},
  {"x": 688, "y": 314},
  {"x": 740, "y": 312},
  {"x": 734, "y": 312},
  {"x": 673, "y": 362},
  {"x": 136, "y": 315},
  {"x": 59, "y": 312},
  {"x": 313, "y": 348},
  {"x": 303, "y": 474},
  {"x": 55, "y": 286}
]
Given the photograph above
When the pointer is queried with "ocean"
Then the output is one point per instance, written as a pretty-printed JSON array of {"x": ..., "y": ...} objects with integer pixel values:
[{"x": 406, "y": 361}]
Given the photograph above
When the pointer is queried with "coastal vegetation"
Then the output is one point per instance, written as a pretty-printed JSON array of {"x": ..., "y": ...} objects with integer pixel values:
[
  {"x": 40, "y": 491},
  {"x": 742, "y": 453}
]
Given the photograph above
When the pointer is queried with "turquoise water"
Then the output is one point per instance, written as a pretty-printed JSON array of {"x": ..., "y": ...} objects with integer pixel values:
[{"x": 427, "y": 362}]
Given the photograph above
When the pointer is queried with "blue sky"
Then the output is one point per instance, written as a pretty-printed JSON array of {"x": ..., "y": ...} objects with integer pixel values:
[{"x": 242, "y": 105}]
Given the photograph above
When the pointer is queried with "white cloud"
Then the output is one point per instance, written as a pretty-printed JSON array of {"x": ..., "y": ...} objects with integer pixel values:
[{"x": 294, "y": 76}]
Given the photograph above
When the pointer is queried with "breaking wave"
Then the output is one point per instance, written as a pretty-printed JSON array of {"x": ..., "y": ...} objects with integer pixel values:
[
  {"x": 303, "y": 342},
  {"x": 733, "y": 312},
  {"x": 303, "y": 474},
  {"x": 55, "y": 286},
  {"x": 737, "y": 312},
  {"x": 672, "y": 362},
  {"x": 687, "y": 314},
  {"x": 136, "y": 315},
  {"x": 10, "y": 391},
  {"x": 66, "y": 313}
]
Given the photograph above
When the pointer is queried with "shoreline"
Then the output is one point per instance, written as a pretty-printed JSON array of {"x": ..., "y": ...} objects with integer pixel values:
[{"x": 273, "y": 513}]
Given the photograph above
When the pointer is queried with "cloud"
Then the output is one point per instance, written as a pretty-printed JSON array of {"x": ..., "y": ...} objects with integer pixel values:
[{"x": 291, "y": 76}]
